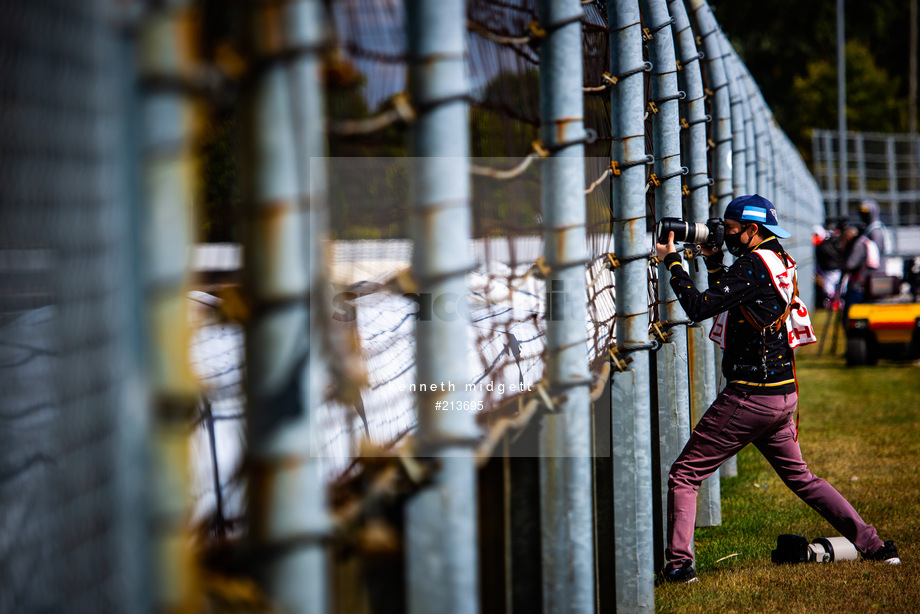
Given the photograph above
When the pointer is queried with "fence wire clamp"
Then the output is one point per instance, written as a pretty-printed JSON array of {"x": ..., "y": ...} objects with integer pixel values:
[
  {"x": 618, "y": 168},
  {"x": 694, "y": 250},
  {"x": 618, "y": 362},
  {"x": 653, "y": 179},
  {"x": 652, "y": 107},
  {"x": 541, "y": 149},
  {"x": 543, "y": 269},
  {"x": 685, "y": 190},
  {"x": 414, "y": 470},
  {"x": 608, "y": 80},
  {"x": 614, "y": 263},
  {"x": 660, "y": 333},
  {"x": 402, "y": 111},
  {"x": 547, "y": 401},
  {"x": 647, "y": 34},
  {"x": 535, "y": 30}
]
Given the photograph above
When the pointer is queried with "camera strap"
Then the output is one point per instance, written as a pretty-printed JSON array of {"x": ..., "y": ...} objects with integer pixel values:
[{"x": 781, "y": 320}]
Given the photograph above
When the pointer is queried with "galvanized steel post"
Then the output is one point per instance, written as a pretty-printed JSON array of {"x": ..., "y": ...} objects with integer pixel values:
[
  {"x": 833, "y": 186},
  {"x": 750, "y": 136},
  {"x": 565, "y": 455},
  {"x": 739, "y": 145},
  {"x": 169, "y": 118},
  {"x": 843, "y": 208},
  {"x": 441, "y": 520},
  {"x": 762, "y": 146},
  {"x": 700, "y": 350},
  {"x": 283, "y": 131},
  {"x": 742, "y": 165},
  {"x": 709, "y": 505},
  {"x": 631, "y": 436},
  {"x": 671, "y": 359}
]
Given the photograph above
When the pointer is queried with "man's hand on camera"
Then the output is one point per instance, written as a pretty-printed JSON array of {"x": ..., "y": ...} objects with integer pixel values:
[
  {"x": 663, "y": 249},
  {"x": 709, "y": 251}
]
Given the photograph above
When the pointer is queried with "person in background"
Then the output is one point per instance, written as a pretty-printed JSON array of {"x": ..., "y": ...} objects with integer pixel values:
[
  {"x": 875, "y": 230},
  {"x": 862, "y": 258},
  {"x": 828, "y": 265},
  {"x": 911, "y": 276}
]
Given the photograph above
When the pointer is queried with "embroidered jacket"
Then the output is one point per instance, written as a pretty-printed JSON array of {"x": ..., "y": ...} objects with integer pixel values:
[{"x": 755, "y": 361}]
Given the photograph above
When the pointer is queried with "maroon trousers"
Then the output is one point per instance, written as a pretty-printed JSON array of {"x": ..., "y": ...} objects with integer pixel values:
[{"x": 734, "y": 420}]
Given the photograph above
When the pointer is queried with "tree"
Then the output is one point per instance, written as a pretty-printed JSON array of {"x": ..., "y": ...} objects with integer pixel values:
[{"x": 790, "y": 48}]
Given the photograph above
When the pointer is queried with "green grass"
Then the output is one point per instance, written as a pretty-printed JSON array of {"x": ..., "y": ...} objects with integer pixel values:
[{"x": 860, "y": 430}]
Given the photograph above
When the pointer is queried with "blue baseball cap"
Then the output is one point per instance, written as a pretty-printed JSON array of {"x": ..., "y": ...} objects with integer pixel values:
[{"x": 755, "y": 208}]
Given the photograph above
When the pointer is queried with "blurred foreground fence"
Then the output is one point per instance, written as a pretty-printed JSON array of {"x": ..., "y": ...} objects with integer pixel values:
[{"x": 439, "y": 374}]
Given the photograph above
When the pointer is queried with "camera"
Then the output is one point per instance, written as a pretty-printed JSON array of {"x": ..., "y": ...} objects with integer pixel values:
[{"x": 710, "y": 234}]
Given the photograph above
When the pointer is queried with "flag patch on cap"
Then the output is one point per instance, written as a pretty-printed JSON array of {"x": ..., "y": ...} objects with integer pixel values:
[{"x": 754, "y": 213}]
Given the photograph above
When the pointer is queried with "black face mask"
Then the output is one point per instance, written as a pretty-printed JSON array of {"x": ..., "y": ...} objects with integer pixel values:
[{"x": 734, "y": 244}]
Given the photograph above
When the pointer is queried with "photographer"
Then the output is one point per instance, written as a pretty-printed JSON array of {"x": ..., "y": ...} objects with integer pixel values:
[{"x": 754, "y": 300}]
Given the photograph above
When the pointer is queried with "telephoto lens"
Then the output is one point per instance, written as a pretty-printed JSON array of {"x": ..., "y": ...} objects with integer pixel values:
[
  {"x": 711, "y": 233},
  {"x": 688, "y": 232}
]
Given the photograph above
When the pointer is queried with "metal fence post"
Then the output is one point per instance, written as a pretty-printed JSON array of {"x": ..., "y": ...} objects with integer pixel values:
[
  {"x": 284, "y": 361},
  {"x": 738, "y": 143},
  {"x": 860, "y": 166},
  {"x": 671, "y": 359},
  {"x": 165, "y": 55},
  {"x": 632, "y": 454},
  {"x": 833, "y": 186},
  {"x": 891, "y": 164},
  {"x": 441, "y": 525},
  {"x": 843, "y": 175},
  {"x": 74, "y": 441},
  {"x": 750, "y": 136},
  {"x": 700, "y": 350},
  {"x": 742, "y": 151},
  {"x": 763, "y": 151},
  {"x": 565, "y": 457},
  {"x": 709, "y": 505}
]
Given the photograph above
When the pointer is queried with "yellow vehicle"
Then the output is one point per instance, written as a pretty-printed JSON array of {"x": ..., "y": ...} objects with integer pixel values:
[{"x": 882, "y": 330}]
